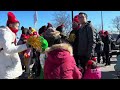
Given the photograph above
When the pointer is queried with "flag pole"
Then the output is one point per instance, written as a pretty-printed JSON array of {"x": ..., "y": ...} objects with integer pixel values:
[{"x": 34, "y": 25}]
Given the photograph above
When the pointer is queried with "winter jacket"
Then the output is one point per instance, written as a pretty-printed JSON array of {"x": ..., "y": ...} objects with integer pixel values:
[
  {"x": 85, "y": 40},
  {"x": 107, "y": 44},
  {"x": 60, "y": 63},
  {"x": 92, "y": 73},
  {"x": 10, "y": 65},
  {"x": 99, "y": 45}
]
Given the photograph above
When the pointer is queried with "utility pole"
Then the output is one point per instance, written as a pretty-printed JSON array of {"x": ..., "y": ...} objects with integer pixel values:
[
  {"x": 72, "y": 16},
  {"x": 102, "y": 20}
]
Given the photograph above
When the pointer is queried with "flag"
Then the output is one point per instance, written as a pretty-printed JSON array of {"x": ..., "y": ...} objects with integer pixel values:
[{"x": 35, "y": 18}]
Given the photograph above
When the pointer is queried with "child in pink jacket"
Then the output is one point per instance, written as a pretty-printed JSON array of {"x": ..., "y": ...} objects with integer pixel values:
[{"x": 92, "y": 71}]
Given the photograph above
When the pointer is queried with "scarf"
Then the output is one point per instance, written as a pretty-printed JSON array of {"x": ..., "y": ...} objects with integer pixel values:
[{"x": 15, "y": 32}]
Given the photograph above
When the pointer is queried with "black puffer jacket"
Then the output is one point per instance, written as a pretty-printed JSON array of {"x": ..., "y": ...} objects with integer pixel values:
[{"x": 107, "y": 44}]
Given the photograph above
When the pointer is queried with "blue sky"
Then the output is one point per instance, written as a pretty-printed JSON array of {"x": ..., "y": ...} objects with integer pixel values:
[{"x": 26, "y": 17}]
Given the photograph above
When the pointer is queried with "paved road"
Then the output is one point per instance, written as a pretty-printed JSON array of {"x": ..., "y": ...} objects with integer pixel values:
[{"x": 108, "y": 72}]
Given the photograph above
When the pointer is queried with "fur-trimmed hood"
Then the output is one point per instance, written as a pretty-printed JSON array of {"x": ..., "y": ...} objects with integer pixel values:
[
  {"x": 59, "y": 53},
  {"x": 64, "y": 46}
]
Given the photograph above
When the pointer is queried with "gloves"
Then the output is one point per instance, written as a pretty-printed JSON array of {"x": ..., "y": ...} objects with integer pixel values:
[{"x": 72, "y": 37}]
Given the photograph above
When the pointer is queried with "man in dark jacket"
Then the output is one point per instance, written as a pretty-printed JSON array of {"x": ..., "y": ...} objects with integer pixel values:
[{"x": 84, "y": 41}]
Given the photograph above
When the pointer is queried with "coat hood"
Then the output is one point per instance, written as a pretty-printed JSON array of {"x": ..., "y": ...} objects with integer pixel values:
[{"x": 59, "y": 53}]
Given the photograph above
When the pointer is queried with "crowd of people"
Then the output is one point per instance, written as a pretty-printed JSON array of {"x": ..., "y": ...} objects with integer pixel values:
[{"x": 65, "y": 57}]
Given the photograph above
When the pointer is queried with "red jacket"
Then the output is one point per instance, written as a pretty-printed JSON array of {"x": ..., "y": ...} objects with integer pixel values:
[{"x": 60, "y": 63}]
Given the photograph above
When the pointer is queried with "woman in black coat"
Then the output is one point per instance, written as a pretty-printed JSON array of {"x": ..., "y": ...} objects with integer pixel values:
[{"x": 107, "y": 47}]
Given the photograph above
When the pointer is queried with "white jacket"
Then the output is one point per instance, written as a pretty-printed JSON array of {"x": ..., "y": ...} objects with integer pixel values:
[{"x": 10, "y": 64}]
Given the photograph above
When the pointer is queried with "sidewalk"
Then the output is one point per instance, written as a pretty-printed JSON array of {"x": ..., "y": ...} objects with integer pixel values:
[{"x": 108, "y": 72}]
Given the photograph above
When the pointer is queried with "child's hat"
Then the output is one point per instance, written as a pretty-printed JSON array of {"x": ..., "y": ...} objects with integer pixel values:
[
  {"x": 49, "y": 25},
  {"x": 94, "y": 59},
  {"x": 90, "y": 62},
  {"x": 59, "y": 28}
]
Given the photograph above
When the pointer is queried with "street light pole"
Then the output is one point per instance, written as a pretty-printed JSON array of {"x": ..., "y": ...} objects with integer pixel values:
[
  {"x": 102, "y": 20},
  {"x": 72, "y": 16}
]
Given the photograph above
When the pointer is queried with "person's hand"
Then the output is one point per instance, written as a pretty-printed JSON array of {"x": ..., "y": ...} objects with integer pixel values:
[
  {"x": 38, "y": 49},
  {"x": 25, "y": 40}
]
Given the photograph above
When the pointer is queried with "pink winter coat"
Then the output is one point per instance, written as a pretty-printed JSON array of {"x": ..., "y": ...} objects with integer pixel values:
[
  {"x": 60, "y": 63},
  {"x": 92, "y": 73}
]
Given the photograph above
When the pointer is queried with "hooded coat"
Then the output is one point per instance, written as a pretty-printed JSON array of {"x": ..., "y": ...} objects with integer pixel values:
[{"x": 60, "y": 63}]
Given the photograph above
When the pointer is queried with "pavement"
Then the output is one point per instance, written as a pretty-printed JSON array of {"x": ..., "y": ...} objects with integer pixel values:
[{"x": 108, "y": 72}]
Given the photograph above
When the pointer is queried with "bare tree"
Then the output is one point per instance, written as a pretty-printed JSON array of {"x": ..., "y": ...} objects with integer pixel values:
[
  {"x": 98, "y": 27},
  {"x": 116, "y": 23},
  {"x": 112, "y": 30},
  {"x": 62, "y": 17}
]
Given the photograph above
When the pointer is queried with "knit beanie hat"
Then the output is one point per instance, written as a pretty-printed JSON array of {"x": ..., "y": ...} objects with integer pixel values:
[
  {"x": 101, "y": 32},
  {"x": 49, "y": 25},
  {"x": 52, "y": 32},
  {"x": 11, "y": 18},
  {"x": 76, "y": 19},
  {"x": 60, "y": 28},
  {"x": 91, "y": 64}
]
